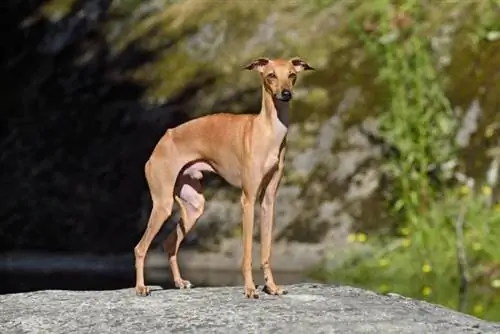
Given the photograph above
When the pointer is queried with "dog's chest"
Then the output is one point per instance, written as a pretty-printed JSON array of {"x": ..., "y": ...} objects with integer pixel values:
[
  {"x": 280, "y": 131},
  {"x": 275, "y": 141}
]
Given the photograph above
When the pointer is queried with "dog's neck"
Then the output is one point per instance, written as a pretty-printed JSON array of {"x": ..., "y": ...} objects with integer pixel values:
[{"x": 274, "y": 109}]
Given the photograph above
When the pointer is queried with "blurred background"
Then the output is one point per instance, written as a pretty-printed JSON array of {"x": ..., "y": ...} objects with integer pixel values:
[{"x": 391, "y": 171}]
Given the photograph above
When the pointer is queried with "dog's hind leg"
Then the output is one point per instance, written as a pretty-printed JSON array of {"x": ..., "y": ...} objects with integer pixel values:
[
  {"x": 161, "y": 187},
  {"x": 161, "y": 175},
  {"x": 192, "y": 203}
]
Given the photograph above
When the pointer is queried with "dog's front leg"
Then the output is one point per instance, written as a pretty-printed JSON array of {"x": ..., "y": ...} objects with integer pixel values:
[
  {"x": 248, "y": 203},
  {"x": 266, "y": 228}
]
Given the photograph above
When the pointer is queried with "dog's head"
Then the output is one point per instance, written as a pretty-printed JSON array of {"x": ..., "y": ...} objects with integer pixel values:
[{"x": 279, "y": 75}]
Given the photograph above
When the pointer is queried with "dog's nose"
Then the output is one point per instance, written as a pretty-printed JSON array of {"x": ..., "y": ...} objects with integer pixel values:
[{"x": 286, "y": 94}]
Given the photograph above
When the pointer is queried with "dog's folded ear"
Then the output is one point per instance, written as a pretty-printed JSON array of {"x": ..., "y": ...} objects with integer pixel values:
[
  {"x": 258, "y": 64},
  {"x": 301, "y": 65}
]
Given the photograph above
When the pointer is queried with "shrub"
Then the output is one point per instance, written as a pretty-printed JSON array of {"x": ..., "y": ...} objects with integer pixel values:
[{"x": 443, "y": 248}]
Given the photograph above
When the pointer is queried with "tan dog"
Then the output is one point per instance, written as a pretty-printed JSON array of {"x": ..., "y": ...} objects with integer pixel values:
[{"x": 246, "y": 150}]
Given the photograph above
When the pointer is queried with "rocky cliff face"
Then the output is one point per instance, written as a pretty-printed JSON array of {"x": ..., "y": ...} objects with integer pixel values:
[{"x": 91, "y": 87}]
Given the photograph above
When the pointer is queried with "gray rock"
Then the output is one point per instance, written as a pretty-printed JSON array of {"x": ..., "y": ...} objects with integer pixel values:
[{"x": 307, "y": 308}]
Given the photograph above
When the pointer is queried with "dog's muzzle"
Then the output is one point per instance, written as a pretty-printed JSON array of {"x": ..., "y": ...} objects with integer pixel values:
[{"x": 285, "y": 95}]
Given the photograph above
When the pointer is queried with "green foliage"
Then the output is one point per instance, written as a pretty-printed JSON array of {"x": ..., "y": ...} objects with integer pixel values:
[
  {"x": 54, "y": 10},
  {"x": 422, "y": 258}
]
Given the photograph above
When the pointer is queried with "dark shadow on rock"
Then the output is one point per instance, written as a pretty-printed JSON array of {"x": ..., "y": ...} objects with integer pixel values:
[{"x": 19, "y": 282}]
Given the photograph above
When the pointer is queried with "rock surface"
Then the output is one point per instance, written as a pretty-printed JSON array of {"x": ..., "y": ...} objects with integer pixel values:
[{"x": 309, "y": 308}]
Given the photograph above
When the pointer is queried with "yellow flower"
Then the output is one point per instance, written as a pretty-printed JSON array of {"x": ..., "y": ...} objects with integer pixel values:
[
  {"x": 426, "y": 291},
  {"x": 383, "y": 263},
  {"x": 406, "y": 243},
  {"x": 383, "y": 288},
  {"x": 361, "y": 237},
  {"x": 486, "y": 190},
  {"x": 490, "y": 130},
  {"x": 237, "y": 232},
  {"x": 426, "y": 268},
  {"x": 351, "y": 237},
  {"x": 464, "y": 190},
  {"x": 476, "y": 246},
  {"x": 478, "y": 309},
  {"x": 495, "y": 283},
  {"x": 405, "y": 231}
]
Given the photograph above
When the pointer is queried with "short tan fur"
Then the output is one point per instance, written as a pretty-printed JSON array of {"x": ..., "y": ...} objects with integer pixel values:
[{"x": 246, "y": 150}]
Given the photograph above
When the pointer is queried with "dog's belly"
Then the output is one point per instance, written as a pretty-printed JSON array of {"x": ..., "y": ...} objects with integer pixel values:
[
  {"x": 196, "y": 170},
  {"x": 230, "y": 173}
]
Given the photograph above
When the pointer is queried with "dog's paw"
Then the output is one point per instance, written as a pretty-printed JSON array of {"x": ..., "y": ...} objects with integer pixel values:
[
  {"x": 142, "y": 291},
  {"x": 251, "y": 293},
  {"x": 274, "y": 290},
  {"x": 183, "y": 284}
]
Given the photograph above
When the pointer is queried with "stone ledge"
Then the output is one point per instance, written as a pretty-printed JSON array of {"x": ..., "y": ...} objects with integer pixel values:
[{"x": 308, "y": 308}]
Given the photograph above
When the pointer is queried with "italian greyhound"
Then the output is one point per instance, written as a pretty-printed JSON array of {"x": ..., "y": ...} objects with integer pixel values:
[{"x": 247, "y": 150}]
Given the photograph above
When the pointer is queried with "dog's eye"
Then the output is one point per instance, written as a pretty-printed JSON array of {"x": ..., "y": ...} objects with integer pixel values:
[
  {"x": 292, "y": 76},
  {"x": 271, "y": 76}
]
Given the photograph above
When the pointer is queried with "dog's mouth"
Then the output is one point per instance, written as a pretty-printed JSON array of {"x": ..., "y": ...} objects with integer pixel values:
[{"x": 283, "y": 99}]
